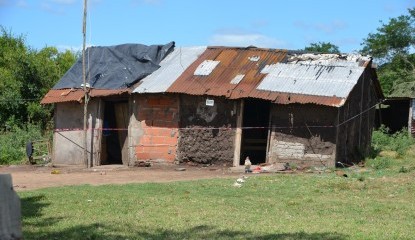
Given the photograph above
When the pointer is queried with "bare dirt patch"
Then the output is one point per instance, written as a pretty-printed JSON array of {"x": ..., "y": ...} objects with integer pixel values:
[{"x": 27, "y": 177}]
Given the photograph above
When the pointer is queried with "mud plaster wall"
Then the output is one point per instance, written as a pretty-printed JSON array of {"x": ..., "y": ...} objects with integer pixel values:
[
  {"x": 198, "y": 141},
  {"x": 356, "y": 121},
  {"x": 291, "y": 141},
  {"x": 154, "y": 127},
  {"x": 68, "y": 138}
]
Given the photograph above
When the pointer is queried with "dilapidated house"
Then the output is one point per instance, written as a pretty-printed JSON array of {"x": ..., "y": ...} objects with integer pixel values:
[
  {"x": 397, "y": 111},
  {"x": 223, "y": 104},
  {"x": 111, "y": 73}
]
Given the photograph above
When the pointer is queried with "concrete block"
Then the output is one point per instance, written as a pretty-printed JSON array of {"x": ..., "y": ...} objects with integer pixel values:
[{"x": 10, "y": 213}]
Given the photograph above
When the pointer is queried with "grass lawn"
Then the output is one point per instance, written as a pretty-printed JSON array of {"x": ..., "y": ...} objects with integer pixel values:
[{"x": 378, "y": 204}]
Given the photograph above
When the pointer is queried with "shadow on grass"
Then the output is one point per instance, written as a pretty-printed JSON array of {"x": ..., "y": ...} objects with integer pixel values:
[
  {"x": 99, "y": 231},
  {"x": 32, "y": 206},
  {"x": 208, "y": 232}
]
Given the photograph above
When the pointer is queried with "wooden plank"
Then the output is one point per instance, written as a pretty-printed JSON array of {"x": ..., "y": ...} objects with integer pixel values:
[
  {"x": 122, "y": 119},
  {"x": 238, "y": 135}
]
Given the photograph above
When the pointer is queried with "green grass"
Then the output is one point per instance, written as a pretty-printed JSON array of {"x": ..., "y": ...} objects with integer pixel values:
[{"x": 375, "y": 204}]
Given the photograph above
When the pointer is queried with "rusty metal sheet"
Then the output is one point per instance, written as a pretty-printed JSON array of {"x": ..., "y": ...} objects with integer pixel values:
[
  {"x": 77, "y": 95},
  {"x": 232, "y": 62},
  {"x": 239, "y": 75},
  {"x": 63, "y": 95}
]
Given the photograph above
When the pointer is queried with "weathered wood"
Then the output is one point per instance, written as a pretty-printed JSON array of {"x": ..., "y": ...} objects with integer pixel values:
[
  {"x": 10, "y": 215},
  {"x": 238, "y": 135}
]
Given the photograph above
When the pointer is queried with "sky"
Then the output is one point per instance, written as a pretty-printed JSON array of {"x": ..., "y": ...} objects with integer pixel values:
[{"x": 289, "y": 24}]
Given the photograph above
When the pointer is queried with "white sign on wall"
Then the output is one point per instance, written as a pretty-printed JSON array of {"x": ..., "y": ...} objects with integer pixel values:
[{"x": 210, "y": 102}]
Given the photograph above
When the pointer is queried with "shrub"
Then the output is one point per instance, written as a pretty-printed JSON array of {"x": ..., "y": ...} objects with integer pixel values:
[
  {"x": 382, "y": 140},
  {"x": 13, "y": 143},
  {"x": 379, "y": 162}
]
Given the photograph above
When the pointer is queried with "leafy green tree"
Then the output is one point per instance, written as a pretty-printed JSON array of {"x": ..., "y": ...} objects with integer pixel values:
[
  {"x": 26, "y": 75},
  {"x": 322, "y": 47},
  {"x": 392, "y": 47}
]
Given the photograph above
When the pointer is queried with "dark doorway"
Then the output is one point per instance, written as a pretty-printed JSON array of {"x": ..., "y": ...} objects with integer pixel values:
[
  {"x": 394, "y": 114},
  {"x": 114, "y": 134},
  {"x": 255, "y": 131}
]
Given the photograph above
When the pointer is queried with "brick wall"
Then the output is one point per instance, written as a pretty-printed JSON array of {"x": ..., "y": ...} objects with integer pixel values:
[{"x": 158, "y": 116}]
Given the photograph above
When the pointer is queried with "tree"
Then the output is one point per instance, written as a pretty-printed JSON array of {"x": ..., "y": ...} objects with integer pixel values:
[
  {"x": 322, "y": 47},
  {"x": 392, "y": 46},
  {"x": 26, "y": 75}
]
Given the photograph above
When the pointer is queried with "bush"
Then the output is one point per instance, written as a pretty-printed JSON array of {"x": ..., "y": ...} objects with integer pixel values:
[
  {"x": 399, "y": 142},
  {"x": 13, "y": 143},
  {"x": 379, "y": 163}
]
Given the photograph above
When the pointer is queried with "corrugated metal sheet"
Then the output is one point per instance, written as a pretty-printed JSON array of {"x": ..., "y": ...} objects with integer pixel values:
[
  {"x": 318, "y": 80},
  {"x": 63, "y": 95},
  {"x": 77, "y": 95},
  {"x": 325, "y": 79},
  {"x": 206, "y": 67},
  {"x": 232, "y": 62},
  {"x": 170, "y": 69}
]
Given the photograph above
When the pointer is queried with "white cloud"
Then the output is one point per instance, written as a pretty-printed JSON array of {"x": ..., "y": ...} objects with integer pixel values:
[{"x": 246, "y": 39}]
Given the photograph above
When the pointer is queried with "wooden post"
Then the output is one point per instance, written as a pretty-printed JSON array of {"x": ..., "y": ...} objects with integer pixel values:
[
  {"x": 411, "y": 101},
  {"x": 86, "y": 159},
  {"x": 238, "y": 135},
  {"x": 270, "y": 135}
]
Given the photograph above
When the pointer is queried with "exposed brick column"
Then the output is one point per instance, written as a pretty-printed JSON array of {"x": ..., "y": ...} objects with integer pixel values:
[{"x": 159, "y": 118}]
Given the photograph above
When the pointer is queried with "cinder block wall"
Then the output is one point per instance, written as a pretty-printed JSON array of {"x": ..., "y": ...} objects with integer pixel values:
[
  {"x": 158, "y": 122},
  {"x": 295, "y": 137}
]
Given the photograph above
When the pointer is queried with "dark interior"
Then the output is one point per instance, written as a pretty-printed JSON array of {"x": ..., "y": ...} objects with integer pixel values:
[
  {"x": 394, "y": 115},
  {"x": 110, "y": 140},
  {"x": 255, "y": 131}
]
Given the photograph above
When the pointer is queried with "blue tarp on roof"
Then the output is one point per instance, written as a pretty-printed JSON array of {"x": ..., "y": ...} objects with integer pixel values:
[{"x": 115, "y": 67}]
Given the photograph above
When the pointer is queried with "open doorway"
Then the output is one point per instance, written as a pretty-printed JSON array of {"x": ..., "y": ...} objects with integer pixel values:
[
  {"x": 114, "y": 134},
  {"x": 255, "y": 131}
]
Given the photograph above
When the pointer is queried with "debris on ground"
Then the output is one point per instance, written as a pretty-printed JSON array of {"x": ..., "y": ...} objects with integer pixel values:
[
  {"x": 142, "y": 164},
  {"x": 238, "y": 183},
  {"x": 341, "y": 173}
]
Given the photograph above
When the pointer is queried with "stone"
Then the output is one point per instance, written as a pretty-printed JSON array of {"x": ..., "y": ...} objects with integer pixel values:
[{"x": 10, "y": 212}]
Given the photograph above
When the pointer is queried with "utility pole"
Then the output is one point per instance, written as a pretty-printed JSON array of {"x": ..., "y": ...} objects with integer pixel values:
[{"x": 86, "y": 160}]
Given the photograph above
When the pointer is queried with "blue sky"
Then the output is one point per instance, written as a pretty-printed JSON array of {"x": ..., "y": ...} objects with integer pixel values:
[{"x": 289, "y": 24}]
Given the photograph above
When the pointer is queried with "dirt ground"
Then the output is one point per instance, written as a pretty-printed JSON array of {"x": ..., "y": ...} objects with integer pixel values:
[{"x": 27, "y": 177}]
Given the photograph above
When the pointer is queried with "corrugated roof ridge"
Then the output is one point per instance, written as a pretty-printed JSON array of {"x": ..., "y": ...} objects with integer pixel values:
[{"x": 249, "y": 48}]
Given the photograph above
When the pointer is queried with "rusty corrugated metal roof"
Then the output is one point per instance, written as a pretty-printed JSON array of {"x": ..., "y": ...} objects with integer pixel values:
[
  {"x": 233, "y": 63},
  {"x": 239, "y": 74},
  {"x": 77, "y": 95},
  {"x": 63, "y": 95}
]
